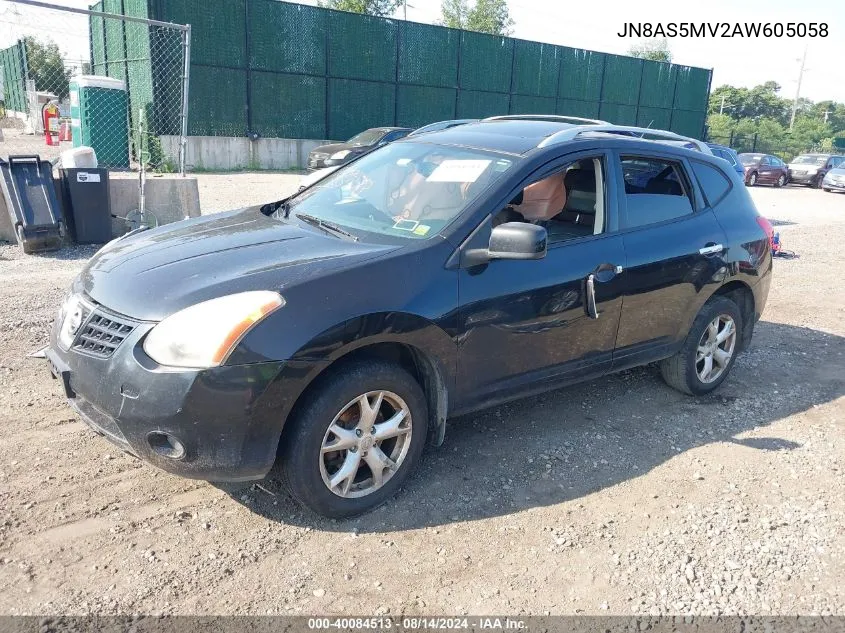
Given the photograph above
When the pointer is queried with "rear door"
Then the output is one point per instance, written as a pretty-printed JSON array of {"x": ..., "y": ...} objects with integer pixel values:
[{"x": 674, "y": 249}]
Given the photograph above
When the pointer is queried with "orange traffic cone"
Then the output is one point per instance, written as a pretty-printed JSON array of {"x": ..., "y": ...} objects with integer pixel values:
[{"x": 65, "y": 135}]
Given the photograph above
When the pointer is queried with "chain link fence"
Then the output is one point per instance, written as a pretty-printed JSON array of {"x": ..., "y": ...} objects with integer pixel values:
[
  {"x": 75, "y": 77},
  {"x": 755, "y": 143}
]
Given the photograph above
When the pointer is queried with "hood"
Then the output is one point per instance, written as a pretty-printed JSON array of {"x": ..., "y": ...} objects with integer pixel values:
[
  {"x": 155, "y": 273},
  {"x": 804, "y": 166},
  {"x": 338, "y": 147}
]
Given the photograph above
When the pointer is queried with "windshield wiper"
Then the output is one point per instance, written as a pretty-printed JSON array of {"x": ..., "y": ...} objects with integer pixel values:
[{"x": 328, "y": 227}]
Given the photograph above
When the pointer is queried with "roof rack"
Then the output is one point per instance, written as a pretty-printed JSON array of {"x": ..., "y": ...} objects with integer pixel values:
[
  {"x": 561, "y": 118},
  {"x": 572, "y": 133}
]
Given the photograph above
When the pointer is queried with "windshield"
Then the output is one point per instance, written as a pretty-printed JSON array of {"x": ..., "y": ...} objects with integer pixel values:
[
  {"x": 367, "y": 137},
  {"x": 750, "y": 159},
  {"x": 807, "y": 159},
  {"x": 404, "y": 190}
]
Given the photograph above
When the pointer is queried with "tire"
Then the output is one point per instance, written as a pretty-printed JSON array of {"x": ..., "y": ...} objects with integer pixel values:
[
  {"x": 681, "y": 371},
  {"x": 826, "y": 189},
  {"x": 781, "y": 181},
  {"x": 308, "y": 471},
  {"x": 752, "y": 179}
]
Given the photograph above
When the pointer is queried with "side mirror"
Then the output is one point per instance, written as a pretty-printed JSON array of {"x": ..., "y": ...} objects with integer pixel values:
[{"x": 511, "y": 240}]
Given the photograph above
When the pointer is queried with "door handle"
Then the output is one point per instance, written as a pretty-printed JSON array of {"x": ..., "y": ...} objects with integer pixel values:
[
  {"x": 590, "y": 297},
  {"x": 605, "y": 272},
  {"x": 711, "y": 249}
]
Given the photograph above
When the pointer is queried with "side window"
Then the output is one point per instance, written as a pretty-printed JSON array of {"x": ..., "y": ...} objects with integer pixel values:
[
  {"x": 655, "y": 190},
  {"x": 712, "y": 181},
  {"x": 570, "y": 203},
  {"x": 777, "y": 162},
  {"x": 765, "y": 162}
]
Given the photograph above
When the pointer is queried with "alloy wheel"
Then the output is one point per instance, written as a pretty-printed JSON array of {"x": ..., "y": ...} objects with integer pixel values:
[
  {"x": 715, "y": 348},
  {"x": 753, "y": 180},
  {"x": 365, "y": 444}
]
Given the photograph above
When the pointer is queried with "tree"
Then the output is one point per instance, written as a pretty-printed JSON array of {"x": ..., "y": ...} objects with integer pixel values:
[
  {"x": 370, "y": 7},
  {"x": 657, "y": 50},
  {"x": 454, "y": 14},
  {"x": 485, "y": 16},
  {"x": 46, "y": 68}
]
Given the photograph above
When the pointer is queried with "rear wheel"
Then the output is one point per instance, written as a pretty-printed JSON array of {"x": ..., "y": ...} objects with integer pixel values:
[
  {"x": 356, "y": 440},
  {"x": 709, "y": 351},
  {"x": 752, "y": 179}
]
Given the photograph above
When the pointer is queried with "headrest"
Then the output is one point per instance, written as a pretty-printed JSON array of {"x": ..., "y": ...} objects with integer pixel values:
[{"x": 581, "y": 180}]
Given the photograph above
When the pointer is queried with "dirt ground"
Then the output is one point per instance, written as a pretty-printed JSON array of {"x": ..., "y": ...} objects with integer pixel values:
[{"x": 617, "y": 496}]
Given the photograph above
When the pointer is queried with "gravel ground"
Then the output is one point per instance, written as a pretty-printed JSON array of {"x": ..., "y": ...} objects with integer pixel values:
[{"x": 617, "y": 496}]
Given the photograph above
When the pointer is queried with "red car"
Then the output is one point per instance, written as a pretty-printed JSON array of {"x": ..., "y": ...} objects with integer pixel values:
[{"x": 764, "y": 169}]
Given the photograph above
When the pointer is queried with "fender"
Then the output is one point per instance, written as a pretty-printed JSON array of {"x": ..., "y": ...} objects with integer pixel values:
[{"x": 436, "y": 365}]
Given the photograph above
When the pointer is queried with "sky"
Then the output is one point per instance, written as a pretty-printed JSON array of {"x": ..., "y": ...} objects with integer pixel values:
[{"x": 595, "y": 25}]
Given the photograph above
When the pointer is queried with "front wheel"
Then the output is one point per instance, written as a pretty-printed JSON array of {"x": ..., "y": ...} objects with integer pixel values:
[
  {"x": 708, "y": 352},
  {"x": 356, "y": 439},
  {"x": 752, "y": 179},
  {"x": 781, "y": 181}
]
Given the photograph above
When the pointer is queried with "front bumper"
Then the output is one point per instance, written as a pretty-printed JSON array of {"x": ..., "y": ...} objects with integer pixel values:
[
  {"x": 228, "y": 419},
  {"x": 802, "y": 179},
  {"x": 830, "y": 184}
]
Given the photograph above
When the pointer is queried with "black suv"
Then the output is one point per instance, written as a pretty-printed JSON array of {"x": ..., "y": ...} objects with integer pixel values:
[{"x": 338, "y": 329}]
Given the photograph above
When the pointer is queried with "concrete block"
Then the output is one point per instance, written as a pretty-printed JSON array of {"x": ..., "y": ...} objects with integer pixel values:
[
  {"x": 227, "y": 153},
  {"x": 7, "y": 229},
  {"x": 169, "y": 198}
]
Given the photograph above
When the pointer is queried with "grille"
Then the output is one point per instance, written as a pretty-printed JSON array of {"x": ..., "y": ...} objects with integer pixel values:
[
  {"x": 319, "y": 156},
  {"x": 102, "y": 334}
]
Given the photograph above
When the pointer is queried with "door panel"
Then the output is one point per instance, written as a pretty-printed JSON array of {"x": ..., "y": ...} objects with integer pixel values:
[
  {"x": 523, "y": 324},
  {"x": 667, "y": 282}
]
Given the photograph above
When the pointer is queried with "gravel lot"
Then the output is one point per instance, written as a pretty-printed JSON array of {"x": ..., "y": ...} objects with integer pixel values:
[{"x": 617, "y": 496}]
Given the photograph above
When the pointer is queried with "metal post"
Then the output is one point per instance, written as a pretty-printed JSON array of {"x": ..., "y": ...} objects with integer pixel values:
[
  {"x": 798, "y": 89},
  {"x": 754, "y": 143},
  {"x": 731, "y": 140},
  {"x": 186, "y": 83}
]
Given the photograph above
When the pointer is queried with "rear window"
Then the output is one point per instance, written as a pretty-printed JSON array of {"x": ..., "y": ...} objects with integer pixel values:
[{"x": 712, "y": 181}]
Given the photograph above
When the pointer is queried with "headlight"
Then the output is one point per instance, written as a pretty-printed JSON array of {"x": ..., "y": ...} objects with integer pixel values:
[
  {"x": 204, "y": 334},
  {"x": 71, "y": 315},
  {"x": 340, "y": 155},
  {"x": 812, "y": 170}
]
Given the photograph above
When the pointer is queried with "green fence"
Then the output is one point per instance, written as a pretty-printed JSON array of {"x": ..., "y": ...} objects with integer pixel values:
[
  {"x": 14, "y": 69},
  {"x": 280, "y": 69}
]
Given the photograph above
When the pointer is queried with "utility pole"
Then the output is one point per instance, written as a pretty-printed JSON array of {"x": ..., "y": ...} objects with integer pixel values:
[
  {"x": 826, "y": 114},
  {"x": 405, "y": 10},
  {"x": 798, "y": 89},
  {"x": 722, "y": 107}
]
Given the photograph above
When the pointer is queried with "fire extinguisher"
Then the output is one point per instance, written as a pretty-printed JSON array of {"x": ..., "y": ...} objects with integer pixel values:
[{"x": 50, "y": 115}]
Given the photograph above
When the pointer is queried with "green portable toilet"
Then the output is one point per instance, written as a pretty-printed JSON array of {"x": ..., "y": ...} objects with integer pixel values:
[{"x": 98, "y": 112}]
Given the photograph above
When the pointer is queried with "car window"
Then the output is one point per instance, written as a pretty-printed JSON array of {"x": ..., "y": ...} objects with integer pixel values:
[
  {"x": 570, "y": 203},
  {"x": 809, "y": 159},
  {"x": 750, "y": 159},
  {"x": 367, "y": 137},
  {"x": 778, "y": 162},
  {"x": 401, "y": 191},
  {"x": 394, "y": 136},
  {"x": 765, "y": 161},
  {"x": 712, "y": 181},
  {"x": 655, "y": 190}
]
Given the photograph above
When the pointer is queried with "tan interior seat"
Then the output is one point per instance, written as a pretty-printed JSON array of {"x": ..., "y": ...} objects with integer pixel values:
[{"x": 543, "y": 199}]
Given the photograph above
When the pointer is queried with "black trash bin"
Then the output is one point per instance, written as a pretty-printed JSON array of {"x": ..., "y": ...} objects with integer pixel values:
[{"x": 85, "y": 198}]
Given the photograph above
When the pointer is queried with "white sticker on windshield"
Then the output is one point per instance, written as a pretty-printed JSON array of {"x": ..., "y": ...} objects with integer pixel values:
[{"x": 458, "y": 171}]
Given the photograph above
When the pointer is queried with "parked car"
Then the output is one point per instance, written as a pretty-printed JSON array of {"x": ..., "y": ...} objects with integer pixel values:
[
  {"x": 314, "y": 176},
  {"x": 336, "y": 154},
  {"x": 810, "y": 169},
  {"x": 338, "y": 329},
  {"x": 730, "y": 155},
  {"x": 764, "y": 169},
  {"x": 441, "y": 125},
  {"x": 834, "y": 180}
]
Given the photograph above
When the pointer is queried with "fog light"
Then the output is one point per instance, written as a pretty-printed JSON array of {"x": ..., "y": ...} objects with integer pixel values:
[{"x": 166, "y": 445}]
